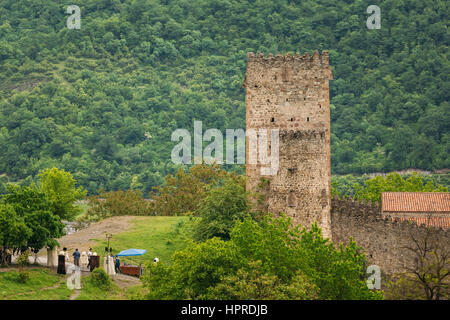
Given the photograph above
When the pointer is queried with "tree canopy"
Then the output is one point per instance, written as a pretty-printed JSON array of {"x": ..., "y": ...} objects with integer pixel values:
[{"x": 102, "y": 101}]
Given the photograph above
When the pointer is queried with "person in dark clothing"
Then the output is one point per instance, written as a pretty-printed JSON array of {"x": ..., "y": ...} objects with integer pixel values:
[
  {"x": 117, "y": 265},
  {"x": 76, "y": 257},
  {"x": 89, "y": 257}
]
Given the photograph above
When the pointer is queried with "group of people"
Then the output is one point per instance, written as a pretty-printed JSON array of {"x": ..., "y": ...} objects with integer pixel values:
[{"x": 83, "y": 258}]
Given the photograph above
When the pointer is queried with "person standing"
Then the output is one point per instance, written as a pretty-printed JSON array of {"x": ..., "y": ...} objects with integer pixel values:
[
  {"x": 89, "y": 257},
  {"x": 117, "y": 265},
  {"x": 76, "y": 258},
  {"x": 61, "y": 263},
  {"x": 66, "y": 254},
  {"x": 84, "y": 259}
]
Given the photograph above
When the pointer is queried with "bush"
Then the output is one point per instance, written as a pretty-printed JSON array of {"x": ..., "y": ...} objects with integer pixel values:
[
  {"x": 268, "y": 259},
  {"x": 22, "y": 260},
  {"x": 23, "y": 277},
  {"x": 100, "y": 279}
]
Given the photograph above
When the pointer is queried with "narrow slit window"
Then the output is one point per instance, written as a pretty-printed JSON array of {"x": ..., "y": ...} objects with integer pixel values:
[
  {"x": 272, "y": 120},
  {"x": 307, "y": 119}
]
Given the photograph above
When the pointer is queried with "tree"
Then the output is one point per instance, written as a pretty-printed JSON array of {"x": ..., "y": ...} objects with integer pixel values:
[
  {"x": 431, "y": 267},
  {"x": 13, "y": 230},
  {"x": 219, "y": 210},
  {"x": 250, "y": 283},
  {"x": 373, "y": 188},
  {"x": 31, "y": 205},
  {"x": 183, "y": 192},
  {"x": 60, "y": 188},
  {"x": 258, "y": 255},
  {"x": 116, "y": 203}
]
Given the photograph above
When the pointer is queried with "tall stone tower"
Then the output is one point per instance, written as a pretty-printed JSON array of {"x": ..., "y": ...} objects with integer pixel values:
[{"x": 291, "y": 93}]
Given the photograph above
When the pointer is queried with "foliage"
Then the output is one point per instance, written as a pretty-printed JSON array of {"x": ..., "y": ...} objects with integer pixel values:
[
  {"x": 184, "y": 192},
  {"x": 403, "y": 287},
  {"x": 22, "y": 260},
  {"x": 23, "y": 277},
  {"x": 13, "y": 230},
  {"x": 373, "y": 188},
  {"x": 278, "y": 251},
  {"x": 431, "y": 267},
  {"x": 102, "y": 101},
  {"x": 116, "y": 203},
  {"x": 36, "y": 210},
  {"x": 250, "y": 282},
  {"x": 60, "y": 188},
  {"x": 219, "y": 210},
  {"x": 100, "y": 278}
]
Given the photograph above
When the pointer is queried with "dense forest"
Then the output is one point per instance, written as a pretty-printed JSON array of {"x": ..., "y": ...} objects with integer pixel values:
[{"x": 102, "y": 101}]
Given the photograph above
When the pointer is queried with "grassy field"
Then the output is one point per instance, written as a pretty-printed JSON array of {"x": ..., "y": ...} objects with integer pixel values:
[
  {"x": 160, "y": 236},
  {"x": 43, "y": 284}
]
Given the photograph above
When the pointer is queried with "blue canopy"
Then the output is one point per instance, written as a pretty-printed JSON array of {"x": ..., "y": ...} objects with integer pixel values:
[{"x": 132, "y": 252}]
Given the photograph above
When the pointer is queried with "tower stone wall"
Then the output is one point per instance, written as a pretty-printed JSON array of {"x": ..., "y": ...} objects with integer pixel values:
[{"x": 291, "y": 93}]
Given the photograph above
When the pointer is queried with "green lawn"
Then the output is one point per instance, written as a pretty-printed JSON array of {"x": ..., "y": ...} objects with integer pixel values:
[
  {"x": 43, "y": 284},
  {"x": 160, "y": 236}
]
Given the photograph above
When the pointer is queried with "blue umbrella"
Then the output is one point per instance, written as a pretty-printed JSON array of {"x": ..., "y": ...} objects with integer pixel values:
[{"x": 132, "y": 252}]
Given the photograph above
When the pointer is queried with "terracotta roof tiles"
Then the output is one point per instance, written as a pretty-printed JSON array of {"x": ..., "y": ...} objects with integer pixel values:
[{"x": 415, "y": 202}]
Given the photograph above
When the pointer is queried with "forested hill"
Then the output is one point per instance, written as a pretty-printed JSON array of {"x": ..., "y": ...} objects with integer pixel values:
[{"x": 103, "y": 101}]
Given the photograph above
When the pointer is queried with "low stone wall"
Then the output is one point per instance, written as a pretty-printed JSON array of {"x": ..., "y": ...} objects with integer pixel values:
[{"x": 383, "y": 239}]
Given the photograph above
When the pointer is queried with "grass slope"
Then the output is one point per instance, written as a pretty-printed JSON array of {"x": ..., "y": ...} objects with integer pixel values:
[
  {"x": 43, "y": 284},
  {"x": 160, "y": 236}
]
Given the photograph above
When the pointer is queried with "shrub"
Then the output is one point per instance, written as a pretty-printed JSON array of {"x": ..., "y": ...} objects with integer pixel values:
[
  {"x": 23, "y": 277},
  {"x": 22, "y": 260},
  {"x": 100, "y": 279}
]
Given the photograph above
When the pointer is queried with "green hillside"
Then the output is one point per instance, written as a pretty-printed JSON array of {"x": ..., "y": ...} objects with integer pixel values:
[{"x": 102, "y": 101}]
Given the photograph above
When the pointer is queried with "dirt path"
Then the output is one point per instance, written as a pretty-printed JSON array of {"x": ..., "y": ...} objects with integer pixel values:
[
  {"x": 86, "y": 238},
  {"x": 75, "y": 295}
]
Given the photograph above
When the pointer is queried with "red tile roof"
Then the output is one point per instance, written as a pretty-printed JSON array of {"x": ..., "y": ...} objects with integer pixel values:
[{"x": 415, "y": 202}]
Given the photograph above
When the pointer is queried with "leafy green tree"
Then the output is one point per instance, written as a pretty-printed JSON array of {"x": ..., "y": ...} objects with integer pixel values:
[
  {"x": 13, "y": 230},
  {"x": 60, "y": 188},
  {"x": 220, "y": 209},
  {"x": 373, "y": 188},
  {"x": 183, "y": 192},
  {"x": 257, "y": 256},
  {"x": 32, "y": 205}
]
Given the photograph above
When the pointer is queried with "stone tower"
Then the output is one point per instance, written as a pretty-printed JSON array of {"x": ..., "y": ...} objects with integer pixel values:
[{"x": 291, "y": 93}]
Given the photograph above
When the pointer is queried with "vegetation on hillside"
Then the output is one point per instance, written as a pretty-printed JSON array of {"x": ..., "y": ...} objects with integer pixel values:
[
  {"x": 266, "y": 260},
  {"x": 371, "y": 189},
  {"x": 30, "y": 217},
  {"x": 102, "y": 101}
]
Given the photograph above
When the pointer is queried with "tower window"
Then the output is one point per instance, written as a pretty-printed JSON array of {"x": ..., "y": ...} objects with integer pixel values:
[
  {"x": 287, "y": 100},
  {"x": 307, "y": 119},
  {"x": 292, "y": 119},
  {"x": 272, "y": 120},
  {"x": 291, "y": 199}
]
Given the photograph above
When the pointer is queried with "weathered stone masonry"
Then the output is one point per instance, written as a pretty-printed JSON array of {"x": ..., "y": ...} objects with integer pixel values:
[
  {"x": 383, "y": 238},
  {"x": 291, "y": 93}
]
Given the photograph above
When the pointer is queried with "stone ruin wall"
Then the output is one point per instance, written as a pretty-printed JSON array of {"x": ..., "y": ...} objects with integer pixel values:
[
  {"x": 382, "y": 238},
  {"x": 291, "y": 93}
]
